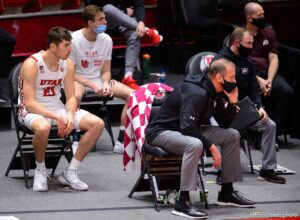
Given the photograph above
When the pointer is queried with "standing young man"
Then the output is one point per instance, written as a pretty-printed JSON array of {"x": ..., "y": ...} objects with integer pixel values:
[
  {"x": 91, "y": 55},
  {"x": 41, "y": 78}
]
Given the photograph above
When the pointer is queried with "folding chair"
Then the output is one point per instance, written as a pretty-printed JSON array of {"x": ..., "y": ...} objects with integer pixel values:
[
  {"x": 23, "y": 157},
  {"x": 161, "y": 170}
]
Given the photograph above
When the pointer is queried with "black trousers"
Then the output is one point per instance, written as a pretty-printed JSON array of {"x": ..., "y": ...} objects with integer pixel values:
[
  {"x": 279, "y": 103},
  {"x": 7, "y": 46}
]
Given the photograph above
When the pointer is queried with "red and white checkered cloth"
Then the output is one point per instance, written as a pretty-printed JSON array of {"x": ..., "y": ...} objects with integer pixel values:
[{"x": 138, "y": 114}]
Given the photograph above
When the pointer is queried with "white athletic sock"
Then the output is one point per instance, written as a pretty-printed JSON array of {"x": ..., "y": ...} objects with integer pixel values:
[
  {"x": 40, "y": 166},
  {"x": 74, "y": 164},
  {"x": 122, "y": 127},
  {"x": 128, "y": 74}
]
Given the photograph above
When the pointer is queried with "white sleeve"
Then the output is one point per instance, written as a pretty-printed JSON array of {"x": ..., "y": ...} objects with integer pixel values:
[
  {"x": 72, "y": 55},
  {"x": 109, "y": 49}
]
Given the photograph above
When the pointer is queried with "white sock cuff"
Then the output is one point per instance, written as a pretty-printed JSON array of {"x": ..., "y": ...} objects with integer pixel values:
[
  {"x": 128, "y": 74},
  {"x": 122, "y": 127},
  {"x": 74, "y": 164},
  {"x": 40, "y": 166}
]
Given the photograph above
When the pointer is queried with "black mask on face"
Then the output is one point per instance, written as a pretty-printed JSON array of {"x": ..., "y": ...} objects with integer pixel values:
[
  {"x": 259, "y": 22},
  {"x": 229, "y": 86},
  {"x": 244, "y": 51}
]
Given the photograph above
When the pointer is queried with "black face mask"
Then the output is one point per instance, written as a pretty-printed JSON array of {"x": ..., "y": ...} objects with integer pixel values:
[
  {"x": 244, "y": 51},
  {"x": 229, "y": 86},
  {"x": 259, "y": 22}
]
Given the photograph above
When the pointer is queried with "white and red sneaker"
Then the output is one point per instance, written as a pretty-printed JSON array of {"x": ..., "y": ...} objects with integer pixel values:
[
  {"x": 154, "y": 36},
  {"x": 130, "y": 82}
]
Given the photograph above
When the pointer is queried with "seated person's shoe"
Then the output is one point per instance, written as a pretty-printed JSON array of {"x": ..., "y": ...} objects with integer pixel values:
[
  {"x": 130, "y": 82},
  {"x": 186, "y": 209},
  {"x": 234, "y": 199},
  {"x": 70, "y": 178},
  {"x": 40, "y": 181},
  {"x": 270, "y": 175},
  {"x": 154, "y": 36},
  {"x": 119, "y": 147},
  {"x": 3, "y": 98}
]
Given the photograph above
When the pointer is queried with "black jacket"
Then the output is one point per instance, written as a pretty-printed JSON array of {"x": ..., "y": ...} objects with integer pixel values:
[
  {"x": 138, "y": 6},
  {"x": 245, "y": 76},
  {"x": 188, "y": 107}
]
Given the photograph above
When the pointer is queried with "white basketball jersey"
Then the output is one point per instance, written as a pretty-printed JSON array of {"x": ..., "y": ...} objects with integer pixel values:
[
  {"x": 89, "y": 57},
  {"x": 47, "y": 85}
]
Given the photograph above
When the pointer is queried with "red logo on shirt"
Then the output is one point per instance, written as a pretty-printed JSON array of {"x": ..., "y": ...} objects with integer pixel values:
[{"x": 84, "y": 63}]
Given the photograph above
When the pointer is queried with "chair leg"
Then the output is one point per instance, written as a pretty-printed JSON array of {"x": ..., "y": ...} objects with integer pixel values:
[
  {"x": 136, "y": 184},
  {"x": 248, "y": 153},
  {"x": 12, "y": 160},
  {"x": 153, "y": 189},
  {"x": 203, "y": 189},
  {"x": 108, "y": 124}
]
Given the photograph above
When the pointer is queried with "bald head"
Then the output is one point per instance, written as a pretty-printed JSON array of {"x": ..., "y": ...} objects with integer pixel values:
[
  {"x": 254, "y": 15},
  {"x": 219, "y": 66},
  {"x": 252, "y": 8}
]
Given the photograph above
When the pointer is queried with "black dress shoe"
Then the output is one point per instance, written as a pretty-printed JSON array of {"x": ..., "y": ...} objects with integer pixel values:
[
  {"x": 270, "y": 175},
  {"x": 234, "y": 199},
  {"x": 186, "y": 209}
]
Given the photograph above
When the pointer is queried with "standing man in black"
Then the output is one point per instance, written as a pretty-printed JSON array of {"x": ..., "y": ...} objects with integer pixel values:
[
  {"x": 181, "y": 127},
  {"x": 240, "y": 47}
]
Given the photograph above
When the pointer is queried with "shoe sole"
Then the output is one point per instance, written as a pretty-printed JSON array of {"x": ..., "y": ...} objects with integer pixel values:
[
  {"x": 233, "y": 204},
  {"x": 40, "y": 190},
  {"x": 185, "y": 215},
  {"x": 64, "y": 182},
  {"x": 270, "y": 180},
  {"x": 118, "y": 152}
]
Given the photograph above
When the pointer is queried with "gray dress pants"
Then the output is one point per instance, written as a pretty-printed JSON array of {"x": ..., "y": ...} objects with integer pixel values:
[
  {"x": 268, "y": 140},
  {"x": 127, "y": 26},
  {"x": 191, "y": 148}
]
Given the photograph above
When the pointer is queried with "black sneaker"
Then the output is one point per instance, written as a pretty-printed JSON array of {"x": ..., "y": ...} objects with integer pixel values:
[
  {"x": 3, "y": 98},
  {"x": 186, "y": 209},
  {"x": 270, "y": 175},
  {"x": 234, "y": 199}
]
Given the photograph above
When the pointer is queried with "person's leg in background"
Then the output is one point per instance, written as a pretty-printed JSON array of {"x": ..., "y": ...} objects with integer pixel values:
[
  {"x": 131, "y": 56},
  {"x": 127, "y": 26},
  {"x": 123, "y": 92},
  {"x": 7, "y": 45},
  {"x": 282, "y": 94},
  {"x": 269, "y": 161}
]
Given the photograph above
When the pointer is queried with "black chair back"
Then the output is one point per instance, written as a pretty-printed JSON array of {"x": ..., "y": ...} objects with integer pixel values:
[
  {"x": 200, "y": 62},
  {"x": 13, "y": 83}
]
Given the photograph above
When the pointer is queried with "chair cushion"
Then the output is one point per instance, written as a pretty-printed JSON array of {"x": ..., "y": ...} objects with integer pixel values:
[
  {"x": 156, "y": 151},
  {"x": 91, "y": 97}
]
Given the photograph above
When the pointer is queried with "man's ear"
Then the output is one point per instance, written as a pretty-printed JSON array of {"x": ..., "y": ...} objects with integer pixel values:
[
  {"x": 52, "y": 46},
  {"x": 90, "y": 23},
  {"x": 219, "y": 78},
  {"x": 249, "y": 18},
  {"x": 236, "y": 42}
]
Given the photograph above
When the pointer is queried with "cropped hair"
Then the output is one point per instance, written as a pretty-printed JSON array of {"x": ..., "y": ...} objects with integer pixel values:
[
  {"x": 89, "y": 13},
  {"x": 218, "y": 66},
  {"x": 237, "y": 34},
  {"x": 57, "y": 34}
]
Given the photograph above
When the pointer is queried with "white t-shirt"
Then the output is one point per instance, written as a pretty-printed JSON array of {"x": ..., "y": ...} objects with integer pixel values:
[
  {"x": 89, "y": 57},
  {"x": 47, "y": 85}
]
